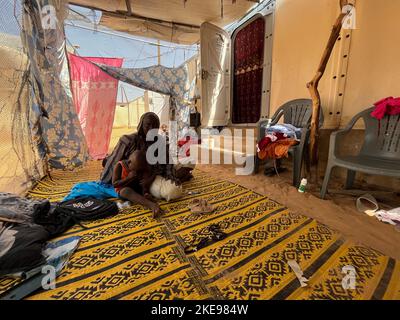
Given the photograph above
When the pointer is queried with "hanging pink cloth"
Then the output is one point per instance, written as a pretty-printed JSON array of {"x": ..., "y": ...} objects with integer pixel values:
[{"x": 95, "y": 95}]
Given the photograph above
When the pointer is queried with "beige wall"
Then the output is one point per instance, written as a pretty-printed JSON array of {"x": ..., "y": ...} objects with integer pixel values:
[
  {"x": 371, "y": 70},
  {"x": 301, "y": 31},
  {"x": 374, "y": 66}
]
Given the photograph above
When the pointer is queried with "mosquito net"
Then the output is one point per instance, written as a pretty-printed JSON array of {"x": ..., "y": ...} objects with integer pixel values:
[{"x": 20, "y": 160}]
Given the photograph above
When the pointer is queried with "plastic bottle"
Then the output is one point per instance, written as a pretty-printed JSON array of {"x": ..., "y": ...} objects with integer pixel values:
[{"x": 302, "y": 187}]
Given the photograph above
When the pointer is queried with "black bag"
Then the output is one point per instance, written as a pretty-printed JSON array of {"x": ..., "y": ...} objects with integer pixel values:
[
  {"x": 87, "y": 209},
  {"x": 195, "y": 119},
  {"x": 65, "y": 214}
]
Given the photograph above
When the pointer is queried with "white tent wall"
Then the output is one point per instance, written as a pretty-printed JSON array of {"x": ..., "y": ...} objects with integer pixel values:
[
  {"x": 122, "y": 116},
  {"x": 127, "y": 115},
  {"x": 159, "y": 104}
]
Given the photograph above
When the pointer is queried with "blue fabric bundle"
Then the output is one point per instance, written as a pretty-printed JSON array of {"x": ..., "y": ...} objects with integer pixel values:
[{"x": 94, "y": 189}]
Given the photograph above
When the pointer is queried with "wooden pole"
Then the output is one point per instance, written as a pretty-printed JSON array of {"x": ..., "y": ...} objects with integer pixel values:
[
  {"x": 158, "y": 53},
  {"x": 128, "y": 7},
  {"x": 313, "y": 84}
]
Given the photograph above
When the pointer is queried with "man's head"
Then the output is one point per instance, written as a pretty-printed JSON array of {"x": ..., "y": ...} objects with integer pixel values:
[
  {"x": 148, "y": 121},
  {"x": 137, "y": 161}
]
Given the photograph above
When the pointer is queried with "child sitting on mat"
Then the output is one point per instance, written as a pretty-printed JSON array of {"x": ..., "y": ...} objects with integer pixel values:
[{"x": 132, "y": 179}]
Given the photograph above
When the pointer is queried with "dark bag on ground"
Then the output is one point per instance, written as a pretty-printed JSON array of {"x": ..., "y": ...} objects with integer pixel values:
[
  {"x": 66, "y": 214},
  {"x": 26, "y": 250},
  {"x": 87, "y": 209}
]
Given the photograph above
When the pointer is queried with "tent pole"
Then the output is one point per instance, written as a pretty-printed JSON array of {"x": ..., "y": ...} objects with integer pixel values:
[{"x": 158, "y": 53}]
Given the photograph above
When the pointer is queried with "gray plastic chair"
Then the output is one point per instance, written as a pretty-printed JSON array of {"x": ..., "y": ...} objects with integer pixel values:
[
  {"x": 379, "y": 155},
  {"x": 297, "y": 113}
]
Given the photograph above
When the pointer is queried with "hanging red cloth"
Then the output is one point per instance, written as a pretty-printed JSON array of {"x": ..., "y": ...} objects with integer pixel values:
[
  {"x": 95, "y": 95},
  {"x": 388, "y": 106}
]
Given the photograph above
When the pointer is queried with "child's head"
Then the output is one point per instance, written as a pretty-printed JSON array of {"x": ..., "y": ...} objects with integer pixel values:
[{"x": 137, "y": 161}]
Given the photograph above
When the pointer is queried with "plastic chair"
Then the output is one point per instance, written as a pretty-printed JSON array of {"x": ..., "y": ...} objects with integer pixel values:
[
  {"x": 297, "y": 113},
  {"x": 379, "y": 155}
]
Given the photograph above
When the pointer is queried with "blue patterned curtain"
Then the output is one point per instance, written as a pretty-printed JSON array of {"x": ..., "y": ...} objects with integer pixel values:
[
  {"x": 174, "y": 82},
  {"x": 44, "y": 41}
]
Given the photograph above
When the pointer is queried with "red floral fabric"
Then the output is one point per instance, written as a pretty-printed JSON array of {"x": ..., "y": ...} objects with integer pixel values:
[{"x": 248, "y": 71}]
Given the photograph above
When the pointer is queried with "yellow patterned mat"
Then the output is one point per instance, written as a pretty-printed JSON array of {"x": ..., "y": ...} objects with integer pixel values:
[{"x": 132, "y": 256}]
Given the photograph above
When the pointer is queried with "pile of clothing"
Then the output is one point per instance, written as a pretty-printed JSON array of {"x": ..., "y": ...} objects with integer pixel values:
[
  {"x": 27, "y": 225},
  {"x": 277, "y": 141},
  {"x": 22, "y": 238},
  {"x": 389, "y": 216},
  {"x": 388, "y": 106},
  {"x": 369, "y": 205}
]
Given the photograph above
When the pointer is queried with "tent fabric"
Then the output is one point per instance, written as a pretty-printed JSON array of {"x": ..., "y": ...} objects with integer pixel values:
[
  {"x": 175, "y": 21},
  {"x": 21, "y": 164},
  {"x": 180, "y": 35},
  {"x": 45, "y": 45},
  {"x": 174, "y": 82},
  {"x": 95, "y": 96}
]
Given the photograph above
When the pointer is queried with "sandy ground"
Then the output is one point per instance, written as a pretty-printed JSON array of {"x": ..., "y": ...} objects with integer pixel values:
[{"x": 339, "y": 212}]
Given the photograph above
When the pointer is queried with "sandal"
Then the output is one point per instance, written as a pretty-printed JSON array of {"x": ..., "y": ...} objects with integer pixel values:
[
  {"x": 216, "y": 235},
  {"x": 200, "y": 206}
]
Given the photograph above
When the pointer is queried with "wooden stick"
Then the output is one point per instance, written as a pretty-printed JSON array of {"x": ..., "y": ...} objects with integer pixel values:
[
  {"x": 313, "y": 84},
  {"x": 128, "y": 7}
]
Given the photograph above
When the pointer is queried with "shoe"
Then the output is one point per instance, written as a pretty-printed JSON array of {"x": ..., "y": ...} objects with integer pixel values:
[{"x": 200, "y": 206}]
